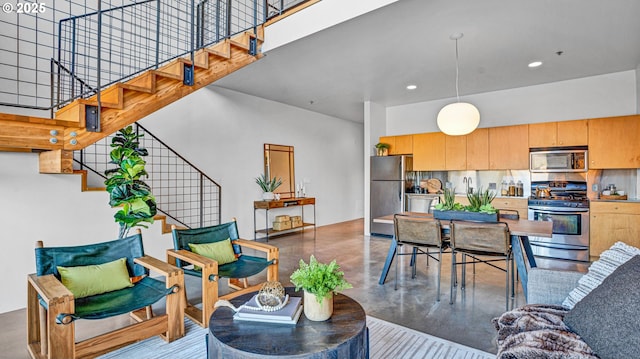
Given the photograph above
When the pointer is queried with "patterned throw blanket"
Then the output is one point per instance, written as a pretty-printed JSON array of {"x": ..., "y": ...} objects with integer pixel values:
[{"x": 536, "y": 332}]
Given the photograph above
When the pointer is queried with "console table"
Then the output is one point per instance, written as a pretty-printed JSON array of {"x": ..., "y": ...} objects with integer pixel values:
[
  {"x": 279, "y": 204},
  {"x": 344, "y": 335}
]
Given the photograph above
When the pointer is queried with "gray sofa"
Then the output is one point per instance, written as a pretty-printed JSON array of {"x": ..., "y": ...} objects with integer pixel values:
[
  {"x": 547, "y": 286},
  {"x": 573, "y": 315}
]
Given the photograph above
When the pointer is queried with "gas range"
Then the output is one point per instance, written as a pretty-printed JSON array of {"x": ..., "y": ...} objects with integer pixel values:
[
  {"x": 566, "y": 205},
  {"x": 551, "y": 202},
  {"x": 567, "y": 194}
]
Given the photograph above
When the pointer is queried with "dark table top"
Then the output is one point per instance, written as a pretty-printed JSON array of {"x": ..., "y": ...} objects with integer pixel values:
[{"x": 347, "y": 322}]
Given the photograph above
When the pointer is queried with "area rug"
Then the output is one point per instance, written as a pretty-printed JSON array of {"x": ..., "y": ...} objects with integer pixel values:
[{"x": 386, "y": 340}]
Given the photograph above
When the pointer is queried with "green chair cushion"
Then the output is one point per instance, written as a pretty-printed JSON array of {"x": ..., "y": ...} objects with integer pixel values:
[
  {"x": 221, "y": 251},
  {"x": 85, "y": 281}
]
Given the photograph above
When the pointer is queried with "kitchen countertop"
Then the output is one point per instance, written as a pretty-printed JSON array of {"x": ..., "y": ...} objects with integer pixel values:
[{"x": 630, "y": 200}]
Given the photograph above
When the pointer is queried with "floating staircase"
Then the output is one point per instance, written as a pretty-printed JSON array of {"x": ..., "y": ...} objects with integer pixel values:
[{"x": 125, "y": 103}]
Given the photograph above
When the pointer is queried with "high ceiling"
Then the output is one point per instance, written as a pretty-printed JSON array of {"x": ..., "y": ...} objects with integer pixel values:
[{"x": 375, "y": 56}]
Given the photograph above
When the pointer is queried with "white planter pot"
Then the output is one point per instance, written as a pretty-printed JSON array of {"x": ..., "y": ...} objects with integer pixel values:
[
  {"x": 315, "y": 311},
  {"x": 268, "y": 196}
]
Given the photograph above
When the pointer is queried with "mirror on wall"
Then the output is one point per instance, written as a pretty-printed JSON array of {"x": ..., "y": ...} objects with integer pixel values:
[{"x": 278, "y": 162}]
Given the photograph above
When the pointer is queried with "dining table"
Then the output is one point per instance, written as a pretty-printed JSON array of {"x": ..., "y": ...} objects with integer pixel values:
[{"x": 520, "y": 230}]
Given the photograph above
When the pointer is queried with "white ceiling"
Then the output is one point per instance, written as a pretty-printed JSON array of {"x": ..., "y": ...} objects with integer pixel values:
[{"x": 373, "y": 57}]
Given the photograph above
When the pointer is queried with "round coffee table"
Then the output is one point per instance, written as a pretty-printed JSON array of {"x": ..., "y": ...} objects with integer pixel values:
[{"x": 344, "y": 335}]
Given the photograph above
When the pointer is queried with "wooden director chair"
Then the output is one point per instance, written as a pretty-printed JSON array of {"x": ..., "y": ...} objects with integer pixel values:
[
  {"x": 230, "y": 263},
  {"x": 52, "y": 308}
]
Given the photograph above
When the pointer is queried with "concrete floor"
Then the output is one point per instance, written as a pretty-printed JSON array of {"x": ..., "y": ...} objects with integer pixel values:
[{"x": 414, "y": 305}]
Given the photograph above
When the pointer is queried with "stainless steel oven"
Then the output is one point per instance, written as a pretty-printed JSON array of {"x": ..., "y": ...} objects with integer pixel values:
[{"x": 570, "y": 238}]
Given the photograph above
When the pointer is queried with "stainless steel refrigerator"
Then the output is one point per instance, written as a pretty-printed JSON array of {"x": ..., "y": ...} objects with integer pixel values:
[{"x": 388, "y": 183}]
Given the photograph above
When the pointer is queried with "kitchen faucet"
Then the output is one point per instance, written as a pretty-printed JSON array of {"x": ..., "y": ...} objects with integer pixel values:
[{"x": 467, "y": 181}]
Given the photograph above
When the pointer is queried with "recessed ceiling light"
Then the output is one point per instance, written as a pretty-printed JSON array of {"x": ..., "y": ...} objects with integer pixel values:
[
  {"x": 535, "y": 64},
  {"x": 411, "y": 87}
]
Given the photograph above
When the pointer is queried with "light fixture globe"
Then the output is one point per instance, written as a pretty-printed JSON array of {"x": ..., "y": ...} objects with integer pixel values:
[{"x": 459, "y": 118}]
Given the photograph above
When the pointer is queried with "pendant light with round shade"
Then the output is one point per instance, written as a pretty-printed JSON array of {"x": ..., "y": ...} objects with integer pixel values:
[{"x": 459, "y": 118}]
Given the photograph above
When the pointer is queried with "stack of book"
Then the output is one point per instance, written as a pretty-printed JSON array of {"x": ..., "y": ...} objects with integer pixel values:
[{"x": 289, "y": 314}]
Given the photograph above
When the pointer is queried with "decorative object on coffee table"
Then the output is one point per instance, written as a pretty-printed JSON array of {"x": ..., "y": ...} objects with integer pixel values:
[{"x": 319, "y": 282}]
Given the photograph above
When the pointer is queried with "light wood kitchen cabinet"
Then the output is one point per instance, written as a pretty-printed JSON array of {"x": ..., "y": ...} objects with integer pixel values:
[
  {"x": 519, "y": 204},
  {"x": 400, "y": 145},
  {"x": 455, "y": 152},
  {"x": 614, "y": 142},
  {"x": 556, "y": 134},
  {"x": 429, "y": 151},
  {"x": 391, "y": 140},
  {"x": 404, "y": 145},
  {"x": 478, "y": 149},
  {"x": 509, "y": 147},
  {"x": 611, "y": 222}
]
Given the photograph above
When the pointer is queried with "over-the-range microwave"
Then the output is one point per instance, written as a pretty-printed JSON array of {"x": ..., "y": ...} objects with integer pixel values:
[{"x": 560, "y": 160}]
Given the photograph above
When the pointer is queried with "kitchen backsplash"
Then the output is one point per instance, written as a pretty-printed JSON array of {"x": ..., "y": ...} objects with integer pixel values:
[
  {"x": 627, "y": 180},
  {"x": 487, "y": 179}
]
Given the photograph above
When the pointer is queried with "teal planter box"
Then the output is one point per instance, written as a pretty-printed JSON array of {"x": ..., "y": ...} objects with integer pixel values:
[{"x": 465, "y": 216}]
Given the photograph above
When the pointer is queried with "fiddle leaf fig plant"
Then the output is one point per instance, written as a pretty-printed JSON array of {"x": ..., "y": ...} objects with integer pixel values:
[
  {"x": 126, "y": 188},
  {"x": 320, "y": 279}
]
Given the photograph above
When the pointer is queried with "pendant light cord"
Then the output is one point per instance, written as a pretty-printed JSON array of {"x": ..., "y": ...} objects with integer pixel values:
[{"x": 457, "y": 72}]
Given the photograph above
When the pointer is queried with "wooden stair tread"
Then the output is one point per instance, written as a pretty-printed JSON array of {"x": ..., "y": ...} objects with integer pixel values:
[{"x": 221, "y": 49}]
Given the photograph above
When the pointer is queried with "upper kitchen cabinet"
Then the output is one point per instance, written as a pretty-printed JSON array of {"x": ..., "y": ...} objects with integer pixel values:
[
  {"x": 400, "y": 145},
  {"x": 429, "y": 151},
  {"x": 478, "y": 149},
  {"x": 613, "y": 142},
  {"x": 404, "y": 145},
  {"x": 455, "y": 152},
  {"x": 558, "y": 134},
  {"x": 509, "y": 147}
]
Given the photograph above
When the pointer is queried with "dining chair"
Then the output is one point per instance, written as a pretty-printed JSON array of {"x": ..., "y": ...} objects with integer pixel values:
[
  {"x": 418, "y": 233},
  {"x": 483, "y": 242}
]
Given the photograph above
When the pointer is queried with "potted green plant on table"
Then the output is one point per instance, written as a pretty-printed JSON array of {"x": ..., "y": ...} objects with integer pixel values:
[
  {"x": 268, "y": 186},
  {"x": 479, "y": 208},
  {"x": 382, "y": 148},
  {"x": 126, "y": 188},
  {"x": 319, "y": 281}
]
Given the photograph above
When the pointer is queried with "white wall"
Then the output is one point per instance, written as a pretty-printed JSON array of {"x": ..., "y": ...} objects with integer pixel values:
[
  {"x": 317, "y": 17},
  {"x": 222, "y": 133},
  {"x": 53, "y": 209},
  {"x": 638, "y": 89},
  {"x": 374, "y": 120},
  {"x": 598, "y": 96}
]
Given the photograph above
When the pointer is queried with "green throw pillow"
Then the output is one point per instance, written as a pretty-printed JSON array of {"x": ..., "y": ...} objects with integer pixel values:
[
  {"x": 221, "y": 251},
  {"x": 84, "y": 281}
]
